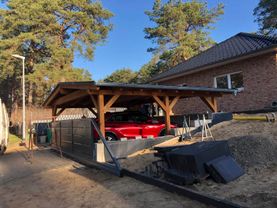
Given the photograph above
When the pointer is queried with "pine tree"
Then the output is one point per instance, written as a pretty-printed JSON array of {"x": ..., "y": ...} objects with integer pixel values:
[
  {"x": 266, "y": 16},
  {"x": 48, "y": 33},
  {"x": 124, "y": 75},
  {"x": 180, "y": 30}
]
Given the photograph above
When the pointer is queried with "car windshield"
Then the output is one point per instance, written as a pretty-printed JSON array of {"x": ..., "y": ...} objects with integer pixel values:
[
  {"x": 119, "y": 118},
  {"x": 139, "y": 118},
  {"x": 130, "y": 117}
]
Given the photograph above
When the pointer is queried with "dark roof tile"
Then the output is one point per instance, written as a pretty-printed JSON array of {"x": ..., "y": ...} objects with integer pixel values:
[{"x": 236, "y": 46}]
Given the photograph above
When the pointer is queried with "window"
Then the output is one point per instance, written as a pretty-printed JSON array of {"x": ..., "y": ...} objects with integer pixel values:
[
  {"x": 229, "y": 81},
  {"x": 236, "y": 81},
  {"x": 118, "y": 118},
  {"x": 222, "y": 82}
]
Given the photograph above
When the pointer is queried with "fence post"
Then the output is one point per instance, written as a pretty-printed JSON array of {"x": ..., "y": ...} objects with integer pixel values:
[
  {"x": 60, "y": 135},
  {"x": 72, "y": 136}
]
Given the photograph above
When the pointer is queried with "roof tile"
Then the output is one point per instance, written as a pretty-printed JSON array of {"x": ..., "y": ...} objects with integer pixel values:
[{"x": 236, "y": 46}]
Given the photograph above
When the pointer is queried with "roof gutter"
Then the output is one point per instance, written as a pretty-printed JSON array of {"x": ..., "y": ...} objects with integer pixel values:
[{"x": 227, "y": 61}]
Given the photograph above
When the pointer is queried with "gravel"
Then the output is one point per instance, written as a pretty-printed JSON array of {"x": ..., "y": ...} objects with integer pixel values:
[
  {"x": 252, "y": 143},
  {"x": 251, "y": 151}
]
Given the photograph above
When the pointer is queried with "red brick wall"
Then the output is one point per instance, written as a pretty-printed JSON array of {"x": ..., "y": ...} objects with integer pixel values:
[{"x": 260, "y": 86}]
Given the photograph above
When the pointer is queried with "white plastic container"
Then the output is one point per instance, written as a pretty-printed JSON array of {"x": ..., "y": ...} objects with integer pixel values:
[{"x": 42, "y": 139}]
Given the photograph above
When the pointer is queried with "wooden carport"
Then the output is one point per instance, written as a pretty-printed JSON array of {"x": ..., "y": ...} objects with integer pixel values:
[{"x": 106, "y": 95}]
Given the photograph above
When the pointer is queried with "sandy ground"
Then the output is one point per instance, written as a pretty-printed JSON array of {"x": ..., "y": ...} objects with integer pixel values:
[
  {"x": 50, "y": 181},
  {"x": 254, "y": 146}
]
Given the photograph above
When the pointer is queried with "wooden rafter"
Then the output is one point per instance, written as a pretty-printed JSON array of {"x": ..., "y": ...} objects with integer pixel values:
[
  {"x": 93, "y": 99},
  {"x": 64, "y": 91},
  {"x": 70, "y": 97}
]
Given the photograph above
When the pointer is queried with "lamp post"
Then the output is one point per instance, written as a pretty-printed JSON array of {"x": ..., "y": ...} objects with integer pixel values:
[{"x": 23, "y": 96}]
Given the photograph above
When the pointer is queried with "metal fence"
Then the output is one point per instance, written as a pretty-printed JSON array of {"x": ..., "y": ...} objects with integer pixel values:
[{"x": 74, "y": 136}]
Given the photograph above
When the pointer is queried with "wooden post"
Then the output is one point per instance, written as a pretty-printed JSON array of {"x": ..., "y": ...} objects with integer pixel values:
[
  {"x": 54, "y": 113},
  {"x": 167, "y": 115},
  {"x": 101, "y": 113},
  {"x": 167, "y": 108}
]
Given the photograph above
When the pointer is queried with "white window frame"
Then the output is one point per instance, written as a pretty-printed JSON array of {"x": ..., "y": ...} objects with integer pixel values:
[{"x": 229, "y": 82}]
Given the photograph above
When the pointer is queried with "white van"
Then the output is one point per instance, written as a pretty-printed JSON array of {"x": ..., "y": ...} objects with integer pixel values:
[{"x": 4, "y": 128}]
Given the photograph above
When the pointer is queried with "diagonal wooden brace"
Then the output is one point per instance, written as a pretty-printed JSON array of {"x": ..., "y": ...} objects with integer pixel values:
[{"x": 210, "y": 102}]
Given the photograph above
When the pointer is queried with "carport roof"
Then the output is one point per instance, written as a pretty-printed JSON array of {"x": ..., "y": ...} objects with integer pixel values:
[{"x": 78, "y": 94}]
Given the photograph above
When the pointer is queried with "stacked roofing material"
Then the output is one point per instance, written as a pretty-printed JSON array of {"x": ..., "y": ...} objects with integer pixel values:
[
  {"x": 4, "y": 128},
  {"x": 191, "y": 163}
]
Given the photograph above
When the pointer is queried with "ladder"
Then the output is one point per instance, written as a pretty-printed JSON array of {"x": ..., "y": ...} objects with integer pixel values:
[{"x": 206, "y": 131}]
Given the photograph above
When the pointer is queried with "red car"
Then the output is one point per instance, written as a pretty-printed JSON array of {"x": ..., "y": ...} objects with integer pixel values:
[{"x": 130, "y": 124}]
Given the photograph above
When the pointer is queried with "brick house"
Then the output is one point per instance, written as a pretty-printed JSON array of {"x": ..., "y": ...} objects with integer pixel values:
[{"x": 245, "y": 61}]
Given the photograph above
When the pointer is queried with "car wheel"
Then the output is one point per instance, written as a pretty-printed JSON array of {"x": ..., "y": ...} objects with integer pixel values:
[
  {"x": 162, "y": 133},
  {"x": 111, "y": 137}
]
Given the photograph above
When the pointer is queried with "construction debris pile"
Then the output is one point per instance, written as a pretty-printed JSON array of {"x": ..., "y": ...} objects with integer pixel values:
[{"x": 253, "y": 145}]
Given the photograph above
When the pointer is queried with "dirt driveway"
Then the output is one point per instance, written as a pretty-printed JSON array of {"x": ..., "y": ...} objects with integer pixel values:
[{"x": 50, "y": 181}]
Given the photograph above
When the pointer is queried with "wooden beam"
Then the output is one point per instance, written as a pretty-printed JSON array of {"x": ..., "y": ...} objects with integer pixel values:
[
  {"x": 80, "y": 87},
  {"x": 60, "y": 112},
  {"x": 111, "y": 102},
  {"x": 210, "y": 102},
  {"x": 64, "y": 91},
  {"x": 214, "y": 101},
  {"x": 173, "y": 102},
  {"x": 93, "y": 99},
  {"x": 156, "y": 93},
  {"x": 101, "y": 113},
  {"x": 70, "y": 97},
  {"x": 160, "y": 103}
]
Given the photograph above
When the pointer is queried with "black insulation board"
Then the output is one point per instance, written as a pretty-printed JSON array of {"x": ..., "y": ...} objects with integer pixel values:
[
  {"x": 192, "y": 158},
  {"x": 224, "y": 169}
]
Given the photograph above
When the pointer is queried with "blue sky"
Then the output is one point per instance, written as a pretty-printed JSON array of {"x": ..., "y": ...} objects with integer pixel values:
[{"x": 126, "y": 46}]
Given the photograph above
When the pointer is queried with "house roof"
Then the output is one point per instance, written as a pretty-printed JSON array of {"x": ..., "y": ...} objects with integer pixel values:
[{"x": 240, "y": 45}]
